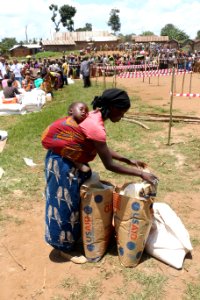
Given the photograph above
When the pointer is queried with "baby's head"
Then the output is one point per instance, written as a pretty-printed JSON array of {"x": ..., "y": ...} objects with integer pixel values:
[{"x": 79, "y": 111}]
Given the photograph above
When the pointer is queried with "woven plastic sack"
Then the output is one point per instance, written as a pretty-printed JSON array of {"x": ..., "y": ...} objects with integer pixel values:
[
  {"x": 96, "y": 219},
  {"x": 132, "y": 221},
  {"x": 168, "y": 240}
]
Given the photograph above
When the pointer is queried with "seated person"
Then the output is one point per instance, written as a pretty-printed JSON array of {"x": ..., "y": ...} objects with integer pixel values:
[
  {"x": 4, "y": 81},
  {"x": 15, "y": 82},
  {"x": 27, "y": 82},
  {"x": 10, "y": 91},
  {"x": 38, "y": 81},
  {"x": 46, "y": 85}
]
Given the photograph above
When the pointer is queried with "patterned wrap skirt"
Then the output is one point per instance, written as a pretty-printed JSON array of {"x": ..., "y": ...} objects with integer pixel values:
[{"x": 62, "y": 193}]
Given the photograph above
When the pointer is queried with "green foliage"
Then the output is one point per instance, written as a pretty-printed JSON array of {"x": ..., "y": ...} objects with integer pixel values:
[
  {"x": 54, "y": 9},
  {"x": 67, "y": 12},
  {"x": 126, "y": 37},
  {"x": 114, "y": 20},
  {"x": 6, "y": 44},
  {"x": 88, "y": 27},
  {"x": 173, "y": 33},
  {"x": 146, "y": 33},
  {"x": 198, "y": 35}
]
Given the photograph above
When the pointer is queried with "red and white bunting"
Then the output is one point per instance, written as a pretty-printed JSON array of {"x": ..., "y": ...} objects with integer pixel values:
[
  {"x": 165, "y": 72},
  {"x": 124, "y": 67},
  {"x": 186, "y": 95}
]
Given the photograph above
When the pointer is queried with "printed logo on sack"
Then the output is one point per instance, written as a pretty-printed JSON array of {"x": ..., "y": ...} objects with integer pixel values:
[
  {"x": 88, "y": 209},
  {"x": 134, "y": 227},
  {"x": 98, "y": 198},
  {"x": 139, "y": 254},
  {"x": 88, "y": 225},
  {"x": 130, "y": 245},
  {"x": 121, "y": 251},
  {"x": 90, "y": 247},
  {"x": 135, "y": 206}
]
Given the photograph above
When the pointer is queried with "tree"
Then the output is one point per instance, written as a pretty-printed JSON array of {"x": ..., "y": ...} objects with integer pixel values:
[
  {"x": 126, "y": 37},
  {"x": 174, "y": 33},
  {"x": 67, "y": 12},
  {"x": 54, "y": 9},
  {"x": 7, "y": 43},
  {"x": 114, "y": 20},
  {"x": 88, "y": 27},
  {"x": 198, "y": 35},
  {"x": 146, "y": 33}
]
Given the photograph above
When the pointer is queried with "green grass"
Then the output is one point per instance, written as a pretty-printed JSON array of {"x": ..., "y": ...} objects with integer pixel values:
[
  {"x": 192, "y": 292},
  {"x": 22, "y": 184},
  {"x": 24, "y": 132},
  {"x": 90, "y": 290},
  {"x": 152, "y": 286}
]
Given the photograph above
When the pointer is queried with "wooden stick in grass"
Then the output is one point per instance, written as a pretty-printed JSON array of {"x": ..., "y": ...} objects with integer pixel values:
[
  {"x": 183, "y": 81},
  {"x": 171, "y": 107},
  {"x": 14, "y": 258},
  {"x": 190, "y": 86}
]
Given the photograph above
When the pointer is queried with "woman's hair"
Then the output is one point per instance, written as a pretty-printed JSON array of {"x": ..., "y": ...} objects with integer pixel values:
[{"x": 111, "y": 98}]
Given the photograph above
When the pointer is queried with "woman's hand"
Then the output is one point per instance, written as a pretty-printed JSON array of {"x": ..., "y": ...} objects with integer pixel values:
[
  {"x": 149, "y": 177},
  {"x": 137, "y": 163}
]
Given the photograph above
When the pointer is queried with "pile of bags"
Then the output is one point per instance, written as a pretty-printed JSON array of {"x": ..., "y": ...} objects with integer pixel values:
[{"x": 139, "y": 223}]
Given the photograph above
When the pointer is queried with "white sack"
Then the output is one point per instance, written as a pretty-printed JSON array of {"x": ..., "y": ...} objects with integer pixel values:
[{"x": 168, "y": 239}]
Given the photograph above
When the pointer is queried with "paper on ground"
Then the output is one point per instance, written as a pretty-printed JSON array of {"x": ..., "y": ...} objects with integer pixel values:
[
  {"x": 1, "y": 172},
  {"x": 29, "y": 162},
  {"x": 3, "y": 135}
]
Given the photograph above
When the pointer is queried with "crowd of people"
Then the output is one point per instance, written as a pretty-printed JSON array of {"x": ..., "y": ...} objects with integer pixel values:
[{"x": 52, "y": 74}]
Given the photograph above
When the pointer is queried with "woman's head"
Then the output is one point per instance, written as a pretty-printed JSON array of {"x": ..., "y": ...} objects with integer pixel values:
[{"x": 113, "y": 104}]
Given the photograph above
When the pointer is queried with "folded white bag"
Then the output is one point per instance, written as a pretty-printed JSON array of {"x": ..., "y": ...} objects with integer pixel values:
[{"x": 168, "y": 239}]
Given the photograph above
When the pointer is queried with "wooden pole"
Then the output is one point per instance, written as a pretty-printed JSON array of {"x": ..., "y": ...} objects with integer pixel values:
[
  {"x": 158, "y": 63},
  {"x": 114, "y": 79},
  {"x": 190, "y": 87},
  {"x": 96, "y": 75},
  {"x": 104, "y": 76},
  {"x": 171, "y": 107},
  {"x": 174, "y": 84},
  {"x": 183, "y": 81}
]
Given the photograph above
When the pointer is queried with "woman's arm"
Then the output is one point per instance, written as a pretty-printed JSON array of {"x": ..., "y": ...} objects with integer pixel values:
[
  {"x": 106, "y": 157},
  {"x": 126, "y": 160}
]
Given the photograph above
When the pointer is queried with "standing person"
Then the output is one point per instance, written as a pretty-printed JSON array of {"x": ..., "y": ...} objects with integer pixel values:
[
  {"x": 68, "y": 144},
  {"x": 85, "y": 71},
  {"x": 65, "y": 69},
  {"x": 2, "y": 68},
  {"x": 16, "y": 68}
]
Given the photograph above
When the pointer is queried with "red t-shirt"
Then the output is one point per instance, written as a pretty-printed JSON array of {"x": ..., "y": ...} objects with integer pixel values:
[{"x": 75, "y": 141}]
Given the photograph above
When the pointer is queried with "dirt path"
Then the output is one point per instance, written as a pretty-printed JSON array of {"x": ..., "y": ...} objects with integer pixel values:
[{"x": 48, "y": 276}]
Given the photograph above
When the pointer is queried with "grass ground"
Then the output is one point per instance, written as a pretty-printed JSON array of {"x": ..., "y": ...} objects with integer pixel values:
[{"x": 21, "y": 189}]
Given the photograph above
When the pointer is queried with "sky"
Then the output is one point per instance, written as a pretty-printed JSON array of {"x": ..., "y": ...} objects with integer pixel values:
[{"x": 34, "y": 17}]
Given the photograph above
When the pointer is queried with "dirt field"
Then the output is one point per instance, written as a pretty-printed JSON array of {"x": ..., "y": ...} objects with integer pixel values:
[{"x": 29, "y": 269}]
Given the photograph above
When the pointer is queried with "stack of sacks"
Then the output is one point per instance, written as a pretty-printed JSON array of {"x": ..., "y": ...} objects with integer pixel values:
[
  {"x": 96, "y": 216},
  {"x": 133, "y": 220}
]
